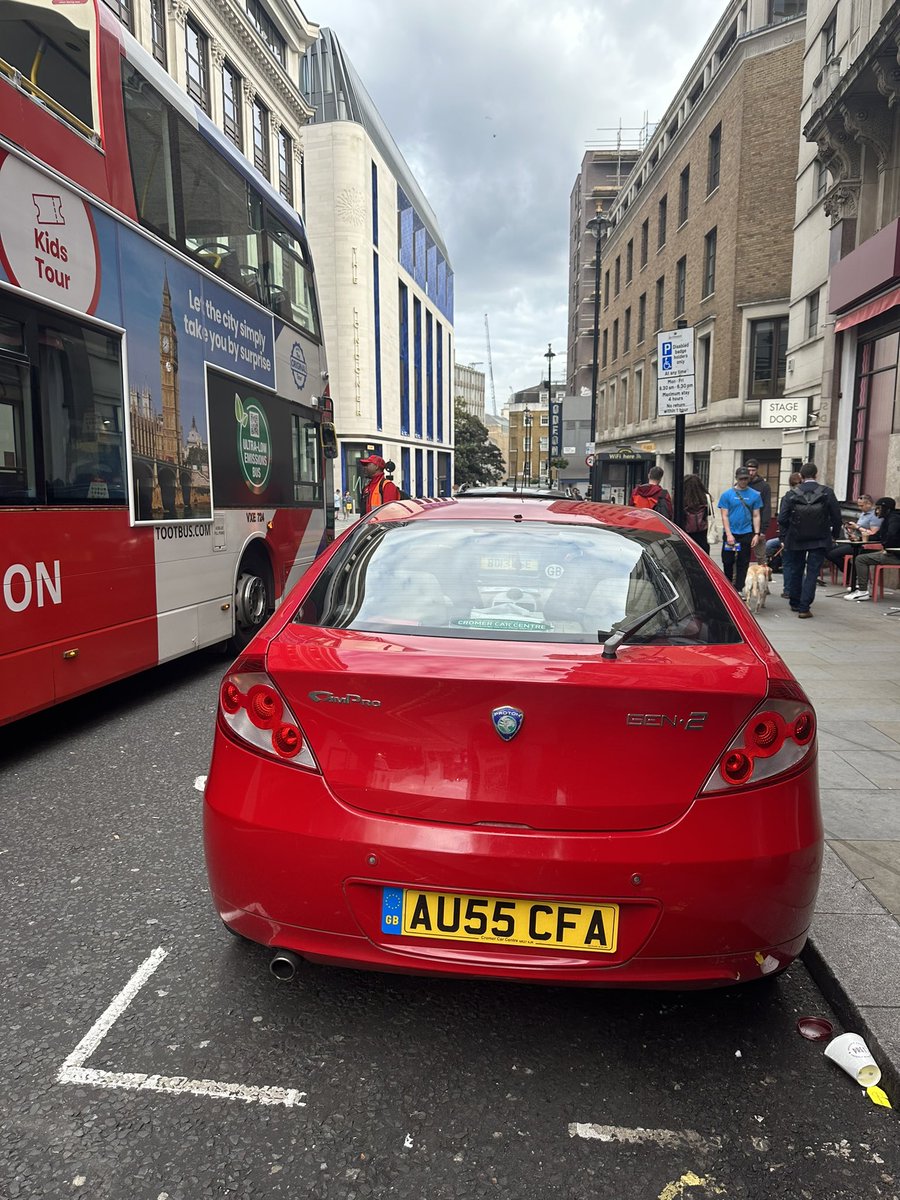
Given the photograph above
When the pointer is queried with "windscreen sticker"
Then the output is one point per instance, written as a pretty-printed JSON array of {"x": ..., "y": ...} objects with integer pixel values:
[
  {"x": 554, "y": 571},
  {"x": 503, "y": 623}
]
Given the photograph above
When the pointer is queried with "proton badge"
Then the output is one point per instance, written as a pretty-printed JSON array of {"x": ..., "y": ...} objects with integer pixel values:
[{"x": 507, "y": 721}]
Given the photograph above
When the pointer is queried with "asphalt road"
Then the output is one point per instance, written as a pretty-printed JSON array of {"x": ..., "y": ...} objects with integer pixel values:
[{"x": 209, "y": 1079}]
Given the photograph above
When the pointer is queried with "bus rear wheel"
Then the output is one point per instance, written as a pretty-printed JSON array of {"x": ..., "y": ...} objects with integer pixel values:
[{"x": 252, "y": 603}]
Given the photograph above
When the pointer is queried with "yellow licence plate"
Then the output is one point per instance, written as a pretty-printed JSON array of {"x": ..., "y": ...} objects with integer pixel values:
[{"x": 551, "y": 924}]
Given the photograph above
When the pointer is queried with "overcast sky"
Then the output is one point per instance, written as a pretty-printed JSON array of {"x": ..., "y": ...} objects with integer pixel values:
[{"x": 493, "y": 104}]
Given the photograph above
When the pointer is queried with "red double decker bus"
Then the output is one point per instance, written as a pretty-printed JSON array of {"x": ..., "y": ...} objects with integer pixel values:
[{"x": 165, "y": 433}]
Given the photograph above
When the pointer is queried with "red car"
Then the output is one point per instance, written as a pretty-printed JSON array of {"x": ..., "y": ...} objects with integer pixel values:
[{"x": 519, "y": 738}]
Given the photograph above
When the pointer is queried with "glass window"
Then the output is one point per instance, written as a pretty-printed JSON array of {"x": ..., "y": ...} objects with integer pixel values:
[
  {"x": 305, "y": 448},
  {"x": 785, "y": 10},
  {"x": 704, "y": 364},
  {"x": 684, "y": 194},
  {"x": 629, "y": 261},
  {"x": 52, "y": 50},
  {"x": 286, "y": 280},
  {"x": 615, "y": 340},
  {"x": 821, "y": 178},
  {"x": 812, "y": 315},
  {"x": 17, "y": 466},
  {"x": 645, "y": 241},
  {"x": 220, "y": 226},
  {"x": 618, "y": 275},
  {"x": 489, "y": 580},
  {"x": 709, "y": 262},
  {"x": 80, "y": 376},
  {"x": 150, "y": 153},
  {"x": 660, "y": 300},
  {"x": 266, "y": 29},
  {"x": 714, "y": 159},
  {"x": 663, "y": 218},
  {"x": 626, "y": 332},
  {"x": 123, "y": 10},
  {"x": 829, "y": 39},
  {"x": 286, "y": 166},
  {"x": 642, "y": 318},
  {"x": 231, "y": 105},
  {"x": 768, "y": 357},
  {"x": 605, "y": 354},
  {"x": 261, "y": 137},
  {"x": 196, "y": 46},
  {"x": 158, "y": 31},
  {"x": 680, "y": 286}
]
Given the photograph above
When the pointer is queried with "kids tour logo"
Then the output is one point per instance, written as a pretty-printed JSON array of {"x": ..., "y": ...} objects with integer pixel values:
[{"x": 254, "y": 444}]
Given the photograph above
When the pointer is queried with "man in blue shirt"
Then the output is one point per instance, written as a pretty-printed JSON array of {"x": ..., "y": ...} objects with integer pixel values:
[{"x": 740, "y": 508}]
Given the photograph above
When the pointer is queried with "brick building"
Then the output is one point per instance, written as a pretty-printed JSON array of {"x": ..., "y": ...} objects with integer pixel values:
[{"x": 702, "y": 232}]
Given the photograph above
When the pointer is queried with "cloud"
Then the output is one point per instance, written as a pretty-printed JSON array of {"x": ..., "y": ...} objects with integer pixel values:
[{"x": 493, "y": 104}]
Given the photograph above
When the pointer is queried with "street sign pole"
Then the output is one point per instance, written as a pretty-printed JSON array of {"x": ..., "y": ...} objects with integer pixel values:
[
  {"x": 678, "y": 480},
  {"x": 675, "y": 397}
]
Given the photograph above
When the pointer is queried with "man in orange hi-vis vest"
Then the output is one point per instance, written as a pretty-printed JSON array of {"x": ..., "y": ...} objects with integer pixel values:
[{"x": 378, "y": 489}]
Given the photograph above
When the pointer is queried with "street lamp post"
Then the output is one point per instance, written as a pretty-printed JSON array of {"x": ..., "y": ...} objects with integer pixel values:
[
  {"x": 549, "y": 357},
  {"x": 598, "y": 225}
]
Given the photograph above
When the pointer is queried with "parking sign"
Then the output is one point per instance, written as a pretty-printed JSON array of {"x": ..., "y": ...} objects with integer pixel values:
[{"x": 675, "y": 373}]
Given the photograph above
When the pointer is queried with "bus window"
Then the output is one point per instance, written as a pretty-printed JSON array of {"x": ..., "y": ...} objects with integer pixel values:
[
  {"x": 50, "y": 53},
  {"x": 17, "y": 477},
  {"x": 81, "y": 390},
  {"x": 147, "y": 128},
  {"x": 288, "y": 289},
  {"x": 217, "y": 213},
  {"x": 306, "y": 459}
]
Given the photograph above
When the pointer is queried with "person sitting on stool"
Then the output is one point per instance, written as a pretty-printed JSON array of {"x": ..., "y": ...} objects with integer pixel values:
[{"x": 889, "y": 536}]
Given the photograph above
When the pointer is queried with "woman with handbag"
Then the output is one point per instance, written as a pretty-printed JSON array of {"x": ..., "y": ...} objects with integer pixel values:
[{"x": 696, "y": 511}]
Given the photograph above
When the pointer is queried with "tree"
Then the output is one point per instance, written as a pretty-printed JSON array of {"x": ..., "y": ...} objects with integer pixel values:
[{"x": 476, "y": 458}]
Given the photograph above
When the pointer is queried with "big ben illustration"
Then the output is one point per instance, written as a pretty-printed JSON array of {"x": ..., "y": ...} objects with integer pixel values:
[{"x": 170, "y": 448}]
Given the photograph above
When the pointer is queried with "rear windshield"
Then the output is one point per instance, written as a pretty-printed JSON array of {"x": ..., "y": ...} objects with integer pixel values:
[{"x": 500, "y": 580}]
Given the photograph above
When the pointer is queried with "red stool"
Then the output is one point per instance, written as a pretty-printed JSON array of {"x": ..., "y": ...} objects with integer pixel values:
[{"x": 878, "y": 578}]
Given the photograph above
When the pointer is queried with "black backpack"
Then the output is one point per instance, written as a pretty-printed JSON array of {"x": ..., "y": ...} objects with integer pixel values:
[{"x": 810, "y": 519}]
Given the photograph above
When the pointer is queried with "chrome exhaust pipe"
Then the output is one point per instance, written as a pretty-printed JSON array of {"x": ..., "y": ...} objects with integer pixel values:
[{"x": 284, "y": 965}]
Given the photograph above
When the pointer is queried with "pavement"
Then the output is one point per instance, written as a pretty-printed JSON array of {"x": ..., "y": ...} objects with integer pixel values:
[{"x": 848, "y": 661}]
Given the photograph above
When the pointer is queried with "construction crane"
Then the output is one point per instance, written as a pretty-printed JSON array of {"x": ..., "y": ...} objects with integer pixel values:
[{"x": 490, "y": 363}]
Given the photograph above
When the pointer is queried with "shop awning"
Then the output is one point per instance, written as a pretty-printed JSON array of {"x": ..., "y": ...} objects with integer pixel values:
[{"x": 865, "y": 312}]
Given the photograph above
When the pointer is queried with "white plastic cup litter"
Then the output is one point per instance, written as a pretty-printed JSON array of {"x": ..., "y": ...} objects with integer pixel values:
[{"x": 851, "y": 1052}]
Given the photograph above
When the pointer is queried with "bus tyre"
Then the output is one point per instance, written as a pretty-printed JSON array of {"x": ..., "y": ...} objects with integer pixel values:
[{"x": 252, "y": 605}]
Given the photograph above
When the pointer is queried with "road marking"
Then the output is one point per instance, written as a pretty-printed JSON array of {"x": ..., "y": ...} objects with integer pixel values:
[
  {"x": 669, "y": 1138},
  {"x": 73, "y": 1069}
]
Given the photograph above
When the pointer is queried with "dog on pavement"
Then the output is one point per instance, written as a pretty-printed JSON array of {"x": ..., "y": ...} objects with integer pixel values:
[{"x": 756, "y": 587}]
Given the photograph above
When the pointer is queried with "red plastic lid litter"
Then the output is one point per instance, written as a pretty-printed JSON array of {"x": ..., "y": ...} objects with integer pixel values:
[{"x": 815, "y": 1029}]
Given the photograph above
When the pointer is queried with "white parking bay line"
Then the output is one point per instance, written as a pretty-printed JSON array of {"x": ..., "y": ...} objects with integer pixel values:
[
  {"x": 73, "y": 1069},
  {"x": 670, "y": 1138}
]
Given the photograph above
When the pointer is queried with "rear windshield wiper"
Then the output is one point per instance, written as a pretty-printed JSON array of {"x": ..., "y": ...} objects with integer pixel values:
[{"x": 623, "y": 629}]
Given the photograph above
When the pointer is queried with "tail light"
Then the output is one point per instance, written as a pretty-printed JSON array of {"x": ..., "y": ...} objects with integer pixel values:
[
  {"x": 254, "y": 711},
  {"x": 776, "y": 738}
]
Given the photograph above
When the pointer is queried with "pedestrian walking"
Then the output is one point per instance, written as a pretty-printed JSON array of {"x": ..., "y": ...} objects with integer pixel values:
[
  {"x": 348, "y": 504},
  {"x": 652, "y": 495},
  {"x": 889, "y": 536},
  {"x": 740, "y": 507},
  {"x": 809, "y": 520},
  {"x": 338, "y": 504},
  {"x": 696, "y": 511}
]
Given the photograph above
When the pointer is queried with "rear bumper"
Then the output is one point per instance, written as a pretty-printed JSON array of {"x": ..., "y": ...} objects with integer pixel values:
[{"x": 723, "y": 895}]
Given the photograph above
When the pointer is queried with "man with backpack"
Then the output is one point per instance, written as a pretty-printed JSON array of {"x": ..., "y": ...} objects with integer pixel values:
[
  {"x": 651, "y": 495},
  {"x": 379, "y": 489},
  {"x": 808, "y": 521},
  {"x": 740, "y": 508}
]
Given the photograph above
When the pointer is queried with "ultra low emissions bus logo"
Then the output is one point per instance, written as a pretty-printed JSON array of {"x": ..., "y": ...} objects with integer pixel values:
[
  {"x": 254, "y": 444},
  {"x": 298, "y": 365},
  {"x": 507, "y": 721}
]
